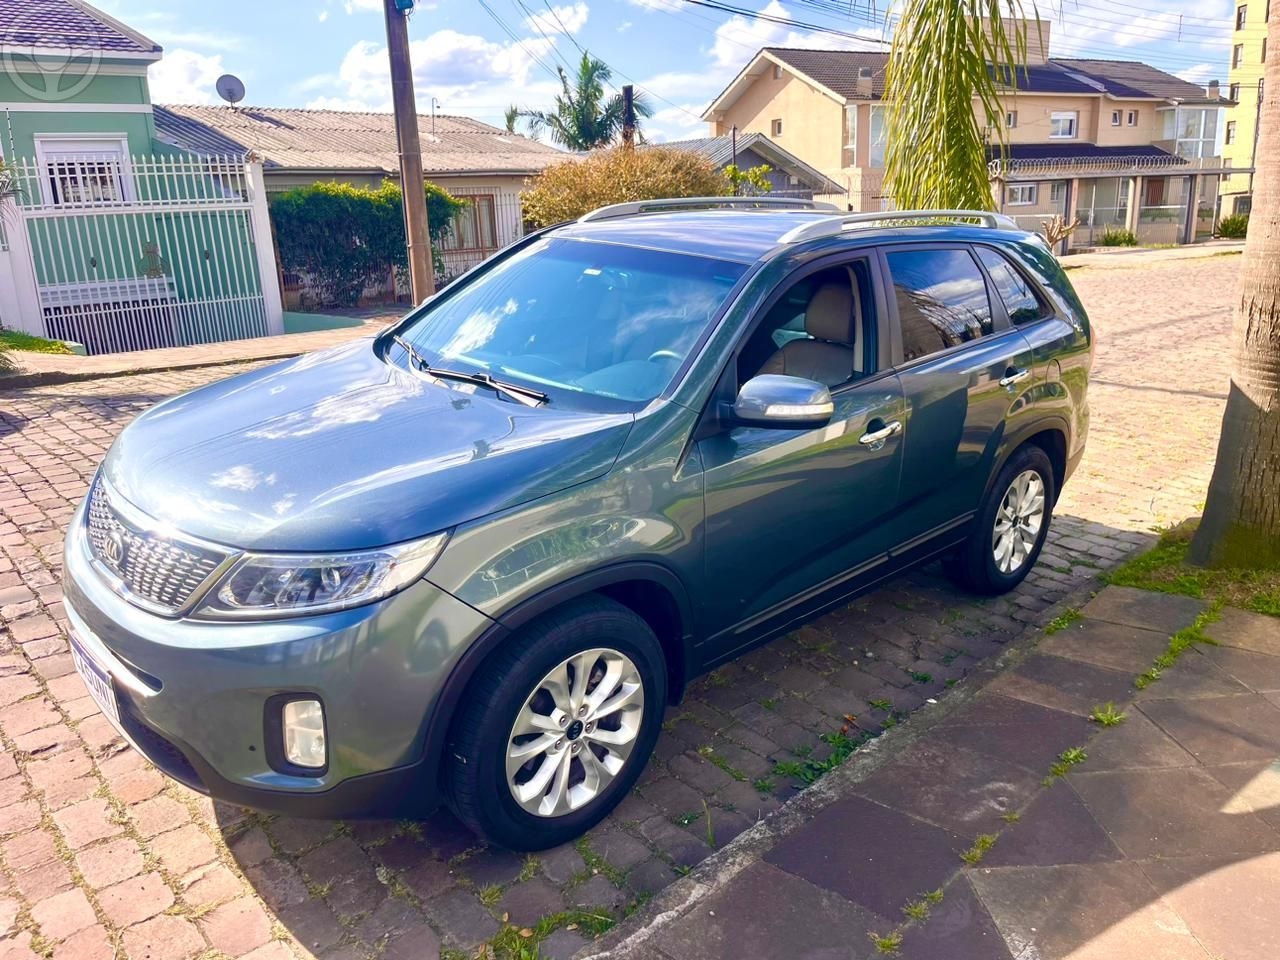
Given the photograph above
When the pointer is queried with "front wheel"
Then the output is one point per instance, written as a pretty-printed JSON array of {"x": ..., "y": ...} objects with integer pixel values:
[
  {"x": 558, "y": 726},
  {"x": 1010, "y": 528}
]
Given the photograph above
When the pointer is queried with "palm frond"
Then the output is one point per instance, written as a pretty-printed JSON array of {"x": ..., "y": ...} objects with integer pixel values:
[{"x": 947, "y": 55}]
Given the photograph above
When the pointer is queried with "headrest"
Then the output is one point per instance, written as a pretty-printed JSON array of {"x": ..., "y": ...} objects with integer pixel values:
[{"x": 830, "y": 315}]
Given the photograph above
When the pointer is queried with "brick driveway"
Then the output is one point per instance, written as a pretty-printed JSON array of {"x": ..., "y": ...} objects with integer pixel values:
[{"x": 103, "y": 858}]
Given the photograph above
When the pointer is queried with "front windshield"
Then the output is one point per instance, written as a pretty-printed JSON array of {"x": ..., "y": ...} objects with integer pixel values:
[{"x": 594, "y": 318}]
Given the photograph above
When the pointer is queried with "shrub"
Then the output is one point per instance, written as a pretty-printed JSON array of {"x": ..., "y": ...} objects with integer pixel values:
[
  {"x": 567, "y": 190},
  {"x": 345, "y": 237},
  {"x": 1118, "y": 237},
  {"x": 1234, "y": 227}
]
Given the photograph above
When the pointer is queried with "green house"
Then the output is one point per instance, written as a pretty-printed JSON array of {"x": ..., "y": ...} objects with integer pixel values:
[{"x": 113, "y": 238}]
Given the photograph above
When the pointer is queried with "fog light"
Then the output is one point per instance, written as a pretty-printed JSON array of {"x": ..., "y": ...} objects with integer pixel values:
[{"x": 304, "y": 733}]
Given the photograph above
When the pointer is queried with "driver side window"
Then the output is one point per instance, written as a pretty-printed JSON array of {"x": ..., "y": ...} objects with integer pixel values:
[{"x": 820, "y": 329}]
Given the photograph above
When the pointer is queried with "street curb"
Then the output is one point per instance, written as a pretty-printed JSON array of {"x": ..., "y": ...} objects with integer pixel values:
[
  {"x": 749, "y": 847},
  {"x": 43, "y": 378}
]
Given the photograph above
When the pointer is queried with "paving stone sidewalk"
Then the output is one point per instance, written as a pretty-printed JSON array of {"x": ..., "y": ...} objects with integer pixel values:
[
  {"x": 1157, "y": 837},
  {"x": 93, "y": 839}
]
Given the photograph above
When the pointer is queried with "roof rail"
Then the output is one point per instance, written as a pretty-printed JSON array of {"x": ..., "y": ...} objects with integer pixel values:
[
  {"x": 833, "y": 226},
  {"x": 636, "y": 207}
]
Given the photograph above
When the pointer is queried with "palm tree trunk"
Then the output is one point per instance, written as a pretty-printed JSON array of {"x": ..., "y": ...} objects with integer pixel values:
[{"x": 1241, "y": 524}]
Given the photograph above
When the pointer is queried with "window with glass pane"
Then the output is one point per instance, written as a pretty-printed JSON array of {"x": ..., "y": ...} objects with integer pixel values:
[
  {"x": 1021, "y": 194},
  {"x": 1058, "y": 191},
  {"x": 942, "y": 300},
  {"x": 1237, "y": 55},
  {"x": 1242, "y": 16},
  {"x": 83, "y": 171},
  {"x": 850, "y": 156},
  {"x": 1020, "y": 299},
  {"x": 879, "y": 136},
  {"x": 1062, "y": 126},
  {"x": 596, "y": 319},
  {"x": 474, "y": 227}
]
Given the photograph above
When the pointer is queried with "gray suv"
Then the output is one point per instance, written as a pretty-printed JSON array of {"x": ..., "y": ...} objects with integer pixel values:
[{"x": 475, "y": 557}]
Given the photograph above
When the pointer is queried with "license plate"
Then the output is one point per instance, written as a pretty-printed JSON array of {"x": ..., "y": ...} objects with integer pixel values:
[{"x": 96, "y": 679}]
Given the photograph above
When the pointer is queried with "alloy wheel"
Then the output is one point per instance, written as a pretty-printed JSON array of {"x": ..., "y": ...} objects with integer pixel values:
[
  {"x": 575, "y": 732},
  {"x": 1018, "y": 521}
]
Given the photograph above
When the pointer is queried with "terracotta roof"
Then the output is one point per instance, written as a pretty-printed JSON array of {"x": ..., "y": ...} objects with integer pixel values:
[
  {"x": 837, "y": 70},
  {"x": 295, "y": 139},
  {"x": 67, "y": 24}
]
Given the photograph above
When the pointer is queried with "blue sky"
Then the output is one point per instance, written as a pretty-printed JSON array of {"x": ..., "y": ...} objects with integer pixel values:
[{"x": 331, "y": 53}]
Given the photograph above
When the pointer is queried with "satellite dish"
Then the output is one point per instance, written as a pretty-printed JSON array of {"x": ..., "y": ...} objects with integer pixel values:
[{"x": 230, "y": 89}]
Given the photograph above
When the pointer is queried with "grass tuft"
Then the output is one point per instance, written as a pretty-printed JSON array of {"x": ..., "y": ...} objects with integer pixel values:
[
  {"x": 981, "y": 844},
  {"x": 888, "y": 942},
  {"x": 1106, "y": 714},
  {"x": 1060, "y": 623}
]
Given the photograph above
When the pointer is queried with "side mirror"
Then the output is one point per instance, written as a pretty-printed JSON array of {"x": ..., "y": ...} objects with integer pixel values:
[{"x": 770, "y": 400}]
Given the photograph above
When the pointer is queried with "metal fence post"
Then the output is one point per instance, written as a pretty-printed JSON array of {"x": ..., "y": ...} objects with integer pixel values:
[
  {"x": 264, "y": 248},
  {"x": 20, "y": 307}
]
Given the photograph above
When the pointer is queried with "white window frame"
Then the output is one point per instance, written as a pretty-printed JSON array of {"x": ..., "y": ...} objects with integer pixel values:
[
  {"x": 1070, "y": 116},
  {"x": 1233, "y": 92},
  {"x": 1029, "y": 193},
  {"x": 1011, "y": 119},
  {"x": 876, "y": 144},
  {"x": 1229, "y": 133},
  {"x": 1057, "y": 191},
  {"x": 1237, "y": 55},
  {"x": 114, "y": 148},
  {"x": 1115, "y": 118},
  {"x": 1131, "y": 118},
  {"x": 775, "y": 127},
  {"x": 1242, "y": 16}
]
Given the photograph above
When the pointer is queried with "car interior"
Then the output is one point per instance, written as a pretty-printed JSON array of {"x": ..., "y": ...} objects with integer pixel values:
[{"x": 818, "y": 330}]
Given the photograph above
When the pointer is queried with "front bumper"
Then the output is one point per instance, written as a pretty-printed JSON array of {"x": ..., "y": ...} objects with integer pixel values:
[{"x": 193, "y": 696}]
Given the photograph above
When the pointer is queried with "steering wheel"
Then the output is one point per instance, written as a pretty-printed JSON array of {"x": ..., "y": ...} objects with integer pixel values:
[{"x": 665, "y": 355}]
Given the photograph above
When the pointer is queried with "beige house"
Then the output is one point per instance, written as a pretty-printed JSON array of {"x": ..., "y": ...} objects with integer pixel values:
[
  {"x": 470, "y": 159},
  {"x": 1115, "y": 143}
]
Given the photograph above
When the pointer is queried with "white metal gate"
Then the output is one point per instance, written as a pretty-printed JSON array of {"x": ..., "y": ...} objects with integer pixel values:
[{"x": 132, "y": 253}]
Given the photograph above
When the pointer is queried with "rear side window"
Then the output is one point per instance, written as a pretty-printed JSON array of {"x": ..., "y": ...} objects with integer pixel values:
[
  {"x": 1021, "y": 301},
  {"x": 942, "y": 300}
]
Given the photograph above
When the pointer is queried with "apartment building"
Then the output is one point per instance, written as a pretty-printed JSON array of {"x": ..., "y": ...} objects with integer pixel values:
[
  {"x": 1114, "y": 143},
  {"x": 1244, "y": 88}
]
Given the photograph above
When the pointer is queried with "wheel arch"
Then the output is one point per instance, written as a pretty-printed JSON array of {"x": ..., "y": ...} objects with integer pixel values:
[
  {"x": 652, "y": 591},
  {"x": 1050, "y": 435}
]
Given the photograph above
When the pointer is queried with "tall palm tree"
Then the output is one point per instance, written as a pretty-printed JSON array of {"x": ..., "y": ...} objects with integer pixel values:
[
  {"x": 511, "y": 115},
  {"x": 1241, "y": 524},
  {"x": 584, "y": 118}
]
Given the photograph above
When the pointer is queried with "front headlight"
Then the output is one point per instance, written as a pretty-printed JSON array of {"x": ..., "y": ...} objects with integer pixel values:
[{"x": 289, "y": 585}]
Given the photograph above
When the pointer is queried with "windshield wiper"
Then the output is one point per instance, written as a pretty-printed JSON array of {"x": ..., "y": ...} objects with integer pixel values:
[{"x": 524, "y": 395}]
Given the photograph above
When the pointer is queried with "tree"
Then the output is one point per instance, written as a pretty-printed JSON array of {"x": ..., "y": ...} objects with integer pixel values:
[
  {"x": 1241, "y": 524},
  {"x": 748, "y": 183},
  {"x": 511, "y": 115},
  {"x": 584, "y": 118},
  {"x": 567, "y": 190},
  {"x": 940, "y": 63}
]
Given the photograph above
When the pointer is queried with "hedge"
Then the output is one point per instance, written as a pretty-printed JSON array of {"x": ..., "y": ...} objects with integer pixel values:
[{"x": 345, "y": 238}]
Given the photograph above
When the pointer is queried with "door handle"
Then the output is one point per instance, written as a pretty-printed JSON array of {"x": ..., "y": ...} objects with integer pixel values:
[
  {"x": 876, "y": 438},
  {"x": 1013, "y": 375}
]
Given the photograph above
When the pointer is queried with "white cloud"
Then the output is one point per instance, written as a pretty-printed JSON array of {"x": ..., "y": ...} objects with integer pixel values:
[
  {"x": 658, "y": 4},
  {"x": 184, "y": 76},
  {"x": 624, "y": 26},
  {"x": 739, "y": 34},
  {"x": 364, "y": 6},
  {"x": 323, "y": 16},
  {"x": 559, "y": 19},
  {"x": 1201, "y": 73}
]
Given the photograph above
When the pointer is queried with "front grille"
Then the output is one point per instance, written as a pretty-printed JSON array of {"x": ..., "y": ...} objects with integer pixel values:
[{"x": 161, "y": 571}]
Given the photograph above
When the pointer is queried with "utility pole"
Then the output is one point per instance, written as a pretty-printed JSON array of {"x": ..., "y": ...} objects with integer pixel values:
[
  {"x": 628, "y": 117},
  {"x": 421, "y": 276}
]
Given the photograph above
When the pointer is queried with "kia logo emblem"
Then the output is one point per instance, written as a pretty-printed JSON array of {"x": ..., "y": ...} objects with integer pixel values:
[{"x": 113, "y": 548}]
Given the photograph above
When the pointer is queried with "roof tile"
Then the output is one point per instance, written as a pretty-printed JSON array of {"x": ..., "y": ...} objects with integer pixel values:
[
  {"x": 348, "y": 140},
  {"x": 63, "y": 24}
]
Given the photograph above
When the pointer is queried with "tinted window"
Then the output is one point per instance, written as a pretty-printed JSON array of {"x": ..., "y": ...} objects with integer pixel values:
[
  {"x": 597, "y": 319},
  {"x": 1020, "y": 299},
  {"x": 942, "y": 300}
]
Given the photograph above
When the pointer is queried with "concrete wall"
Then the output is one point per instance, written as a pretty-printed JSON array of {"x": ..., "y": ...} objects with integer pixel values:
[{"x": 108, "y": 104}]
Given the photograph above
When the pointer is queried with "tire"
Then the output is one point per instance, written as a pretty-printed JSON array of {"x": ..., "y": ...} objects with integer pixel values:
[
  {"x": 533, "y": 678},
  {"x": 976, "y": 564}
]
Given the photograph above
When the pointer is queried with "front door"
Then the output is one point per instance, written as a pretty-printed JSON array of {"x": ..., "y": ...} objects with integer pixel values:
[{"x": 794, "y": 515}]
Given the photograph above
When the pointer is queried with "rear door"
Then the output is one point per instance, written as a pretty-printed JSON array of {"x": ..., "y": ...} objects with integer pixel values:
[{"x": 964, "y": 368}]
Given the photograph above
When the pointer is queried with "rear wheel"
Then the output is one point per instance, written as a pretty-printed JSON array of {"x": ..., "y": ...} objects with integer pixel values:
[
  {"x": 1010, "y": 528},
  {"x": 558, "y": 726}
]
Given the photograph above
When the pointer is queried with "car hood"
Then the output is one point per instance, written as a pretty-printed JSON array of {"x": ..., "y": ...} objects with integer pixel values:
[{"x": 339, "y": 450}]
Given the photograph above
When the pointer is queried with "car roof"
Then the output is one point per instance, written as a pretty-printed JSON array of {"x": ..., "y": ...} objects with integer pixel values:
[{"x": 747, "y": 236}]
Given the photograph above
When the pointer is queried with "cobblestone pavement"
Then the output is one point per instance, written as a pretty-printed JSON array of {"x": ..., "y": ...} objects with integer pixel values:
[{"x": 104, "y": 858}]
